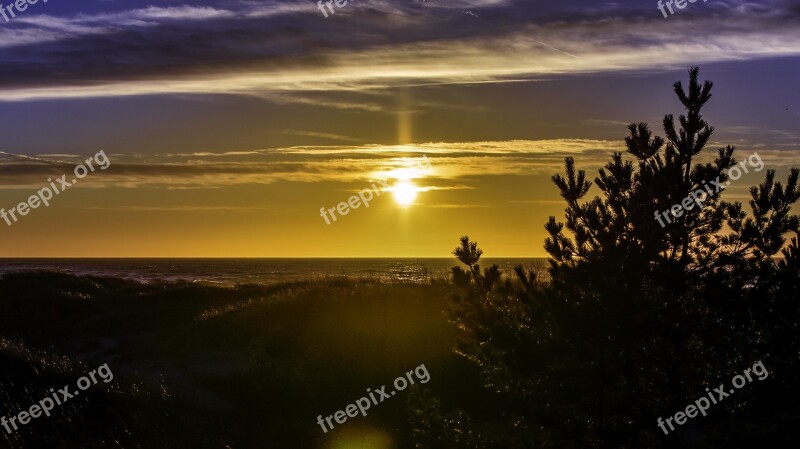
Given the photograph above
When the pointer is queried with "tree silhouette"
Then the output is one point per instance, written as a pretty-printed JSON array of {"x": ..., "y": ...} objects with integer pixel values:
[{"x": 636, "y": 319}]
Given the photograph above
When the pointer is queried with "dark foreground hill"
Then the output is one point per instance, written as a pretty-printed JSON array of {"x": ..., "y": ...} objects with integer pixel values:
[{"x": 195, "y": 365}]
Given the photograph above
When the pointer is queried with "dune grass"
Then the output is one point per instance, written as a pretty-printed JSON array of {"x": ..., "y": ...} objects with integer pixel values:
[{"x": 244, "y": 366}]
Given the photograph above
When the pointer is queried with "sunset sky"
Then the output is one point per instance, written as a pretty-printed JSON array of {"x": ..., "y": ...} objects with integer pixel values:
[{"x": 229, "y": 124}]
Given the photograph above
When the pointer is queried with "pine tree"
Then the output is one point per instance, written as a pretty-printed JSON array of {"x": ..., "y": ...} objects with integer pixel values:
[{"x": 636, "y": 319}]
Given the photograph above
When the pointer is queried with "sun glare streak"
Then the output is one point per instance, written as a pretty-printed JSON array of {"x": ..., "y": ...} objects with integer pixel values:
[
  {"x": 408, "y": 170},
  {"x": 406, "y": 174}
]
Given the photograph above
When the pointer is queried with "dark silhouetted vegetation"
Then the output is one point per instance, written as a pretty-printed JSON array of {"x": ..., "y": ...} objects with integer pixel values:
[
  {"x": 203, "y": 366},
  {"x": 634, "y": 320}
]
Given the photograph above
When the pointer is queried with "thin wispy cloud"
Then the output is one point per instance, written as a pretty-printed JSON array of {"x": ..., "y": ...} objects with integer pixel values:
[
  {"x": 452, "y": 164},
  {"x": 328, "y": 136}
]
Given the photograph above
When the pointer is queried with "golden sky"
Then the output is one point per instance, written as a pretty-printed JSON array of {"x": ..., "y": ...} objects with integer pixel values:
[
  {"x": 266, "y": 203},
  {"x": 230, "y": 124}
]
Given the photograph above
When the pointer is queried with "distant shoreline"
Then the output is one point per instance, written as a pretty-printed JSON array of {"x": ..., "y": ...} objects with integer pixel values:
[{"x": 255, "y": 271}]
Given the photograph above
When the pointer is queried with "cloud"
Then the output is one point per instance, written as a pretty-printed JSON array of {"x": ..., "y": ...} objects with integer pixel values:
[
  {"x": 457, "y": 206},
  {"x": 357, "y": 163},
  {"x": 278, "y": 50},
  {"x": 452, "y": 164},
  {"x": 449, "y": 163},
  {"x": 327, "y": 136},
  {"x": 183, "y": 208},
  {"x": 292, "y": 98}
]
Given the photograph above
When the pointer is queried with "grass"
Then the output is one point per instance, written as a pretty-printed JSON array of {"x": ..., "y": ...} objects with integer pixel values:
[{"x": 196, "y": 365}]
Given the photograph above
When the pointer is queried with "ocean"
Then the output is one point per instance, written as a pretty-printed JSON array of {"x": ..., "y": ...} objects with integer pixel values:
[{"x": 256, "y": 271}]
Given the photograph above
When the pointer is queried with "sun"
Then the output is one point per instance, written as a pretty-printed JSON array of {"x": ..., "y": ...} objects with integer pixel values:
[{"x": 404, "y": 192}]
